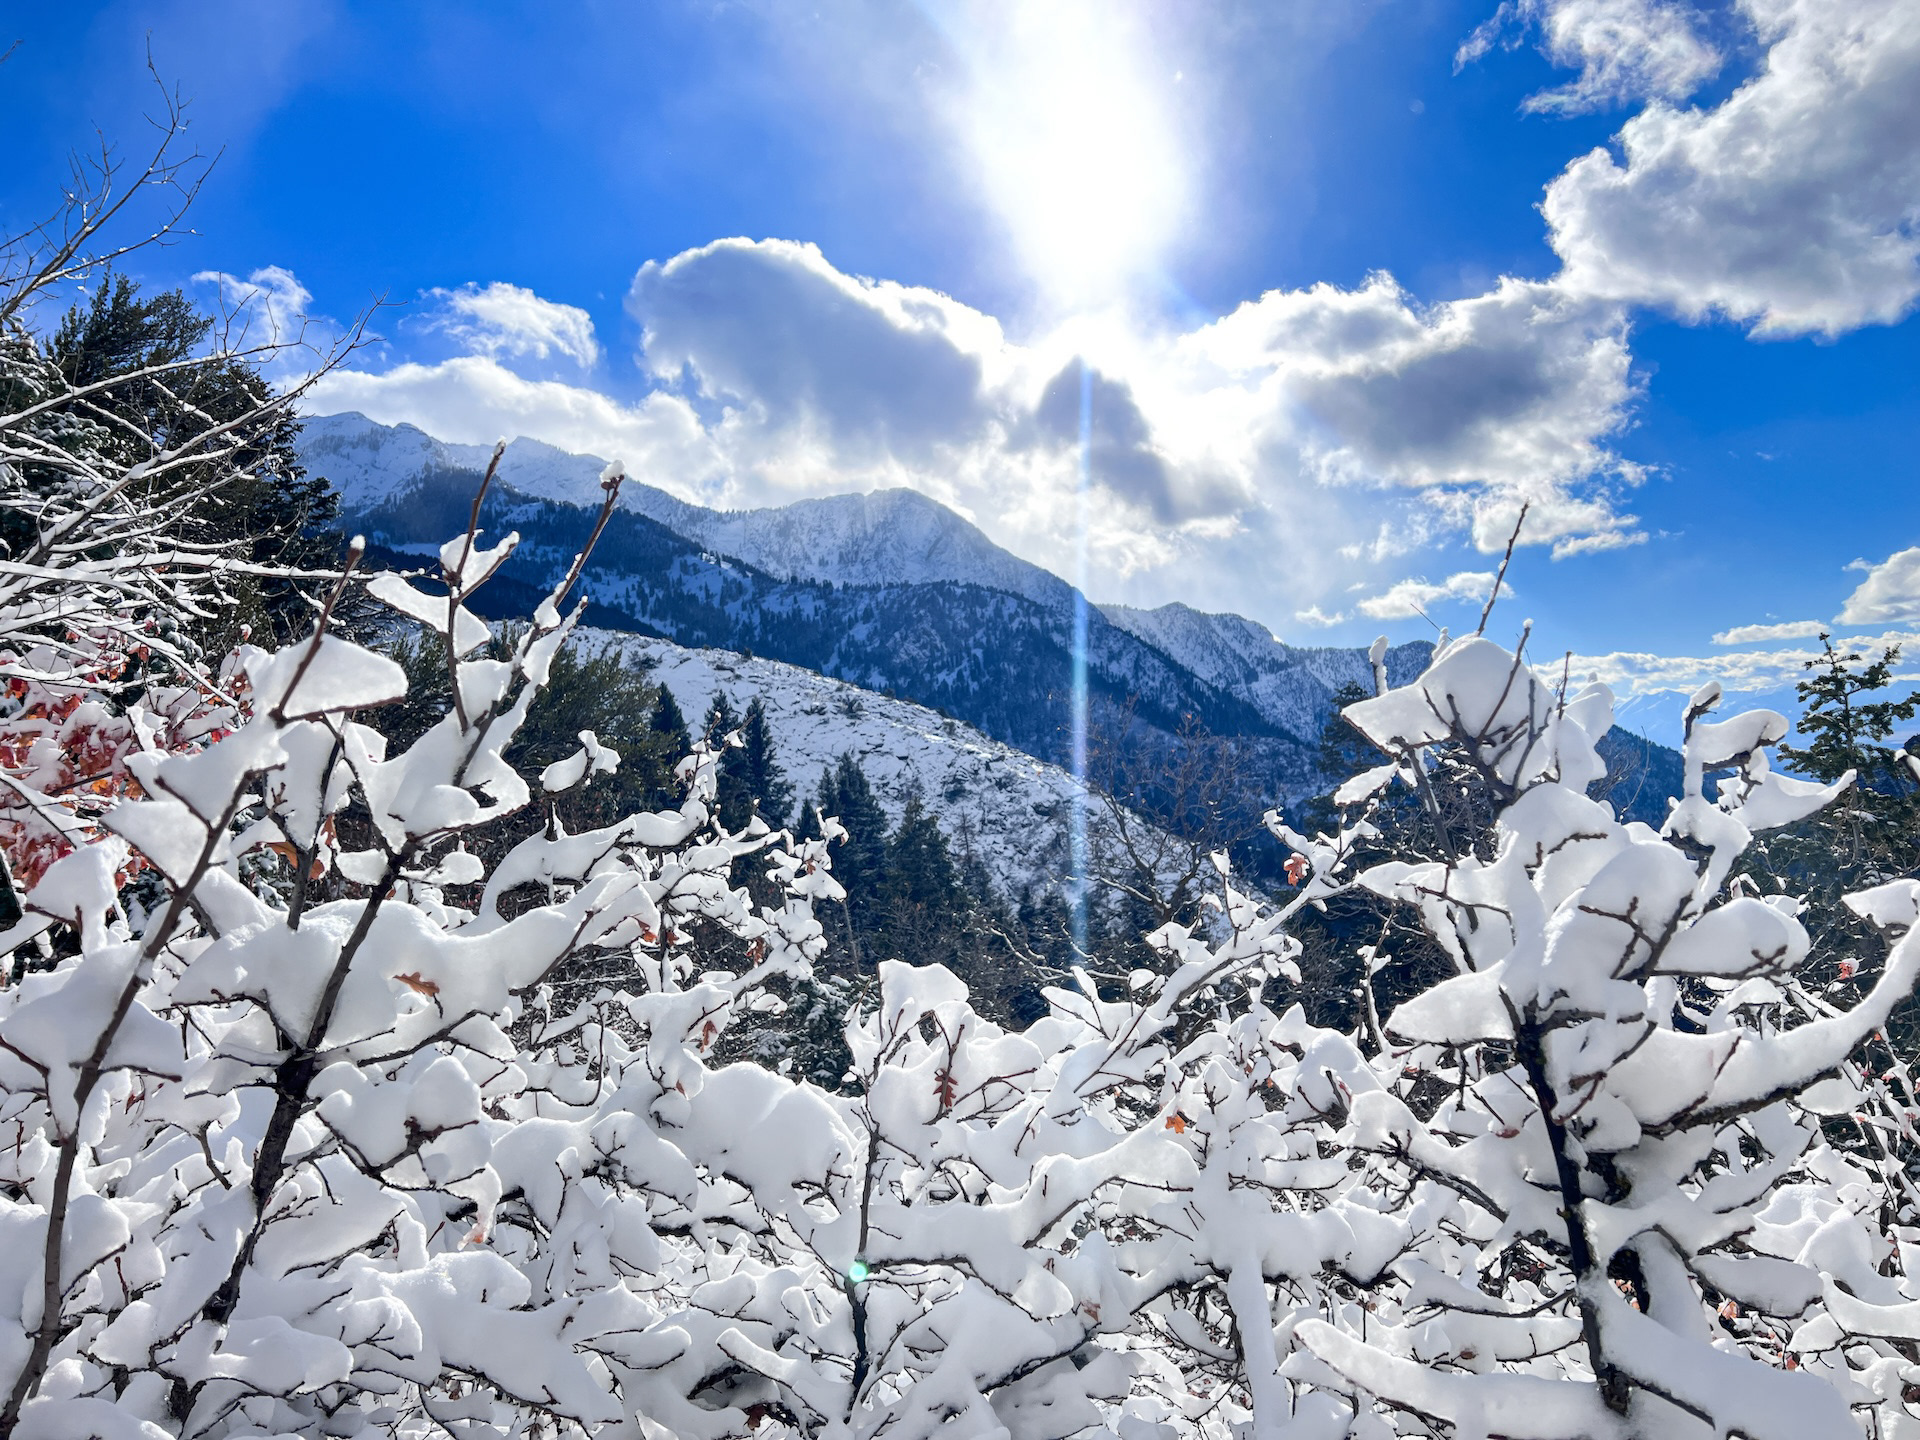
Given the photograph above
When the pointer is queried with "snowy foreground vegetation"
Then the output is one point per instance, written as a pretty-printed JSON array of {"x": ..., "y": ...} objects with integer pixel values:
[
  {"x": 283, "y": 1165},
  {"x": 298, "y": 1136}
]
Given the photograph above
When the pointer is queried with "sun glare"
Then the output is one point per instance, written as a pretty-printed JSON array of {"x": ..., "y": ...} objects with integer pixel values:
[{"x": 1070, "y": 124}]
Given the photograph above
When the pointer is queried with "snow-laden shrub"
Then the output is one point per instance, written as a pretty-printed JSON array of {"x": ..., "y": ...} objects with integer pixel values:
[
  {"x": 305, "y": 1148},
  {"x": 1605, "y": 1133}
]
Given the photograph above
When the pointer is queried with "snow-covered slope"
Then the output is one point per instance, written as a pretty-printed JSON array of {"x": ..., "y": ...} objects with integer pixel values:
[
  {"x": 990, "y": 799},
  {"x": 1291, "y": 686},
  {"x": 890, "y": 537}
]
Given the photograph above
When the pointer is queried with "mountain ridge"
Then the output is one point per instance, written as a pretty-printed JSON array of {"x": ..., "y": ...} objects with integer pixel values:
[
  {"x": 891, "y": 592},
  {"x": 887, "y": 537}
]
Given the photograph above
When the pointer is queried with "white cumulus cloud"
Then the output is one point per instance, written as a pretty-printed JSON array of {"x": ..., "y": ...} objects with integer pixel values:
[
  {"x": 1794, "y": 204},
  {"x": 1889, "y": 595},
  {"x": 1305, "y": 425},
  {"x": 506, "y": 319},
  {"x": 1750, "y": 671}
]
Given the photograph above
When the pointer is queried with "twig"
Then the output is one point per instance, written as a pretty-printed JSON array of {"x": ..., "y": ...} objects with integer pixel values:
[{"x": 1505, "y": 560}]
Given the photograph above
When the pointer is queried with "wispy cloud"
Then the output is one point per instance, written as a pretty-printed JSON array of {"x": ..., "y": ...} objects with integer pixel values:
[
  {"x": 1624, "y": 49},
  {"x": 269, "y": 307}
]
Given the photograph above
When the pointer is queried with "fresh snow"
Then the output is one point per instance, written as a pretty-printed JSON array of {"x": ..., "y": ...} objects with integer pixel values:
[{"x": 996, "y": 802}]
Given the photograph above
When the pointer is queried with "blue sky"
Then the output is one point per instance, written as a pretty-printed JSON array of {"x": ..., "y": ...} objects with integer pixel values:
[{"x": 1357, "y": 280}]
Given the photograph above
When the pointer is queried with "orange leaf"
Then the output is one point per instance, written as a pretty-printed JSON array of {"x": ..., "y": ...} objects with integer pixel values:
[
  {"x": 1177, "y": 1123},
  {"x": 416, "y": 982}
]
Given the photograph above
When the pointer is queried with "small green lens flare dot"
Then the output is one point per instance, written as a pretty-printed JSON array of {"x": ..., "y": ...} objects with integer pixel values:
[{"x": 857, "y": 1271}]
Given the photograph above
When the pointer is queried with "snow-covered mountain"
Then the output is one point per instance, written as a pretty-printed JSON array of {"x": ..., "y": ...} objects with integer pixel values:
[
  {"x": 991, "y": 800},
  {"x": 887, "y": 538},
  {"x": 1292, "y": 686},
  {"x": 370, "y": 464},
  {"x": 890, "y": 537},
  {"x": 889, "y": 591}
]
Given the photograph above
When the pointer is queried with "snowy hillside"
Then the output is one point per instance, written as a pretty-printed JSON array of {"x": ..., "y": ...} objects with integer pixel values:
[{"x": 991, "y": 800}]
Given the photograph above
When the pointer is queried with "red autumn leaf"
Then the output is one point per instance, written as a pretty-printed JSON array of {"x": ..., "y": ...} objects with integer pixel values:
[{"x": 1296, "y": 869}]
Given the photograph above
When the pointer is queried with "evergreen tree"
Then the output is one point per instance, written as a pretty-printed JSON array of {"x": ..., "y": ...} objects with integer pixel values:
[
  {"x": 925, "y": 907},
  {"x": 1873, "y": 822},
  {"x": 721, "y": 719},
  {"x": 860, "y": 860},
  {"x": 672, "y": 744},
  {"x": 1867, "y": 836},
  {"x": 264, "y": 508},
  {"x": 756, "y": 769},
  {"x": 807, "y": 827},
  {"x": 828, "y": 793},
  {"x": 732, "y": 801},
  {"x": 668, "y": 723}
]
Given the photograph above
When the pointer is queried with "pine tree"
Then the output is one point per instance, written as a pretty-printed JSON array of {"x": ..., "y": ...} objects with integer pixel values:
[
  {"x": 756, "y": 769},
  {"x": 733, "y": 802},
  {"x": 807, "y": 827},
  {"x": 925, "y": 907},
  {"x": 860, "y": 860},
  {"x": 672, "y": 745},
  {"x": 1874, "y": 820},
  {"x": 270, "y": 512},
  {"x": 1865, "y": 837},
  {"x": 720, "y": 721},
  {"x": 669, "y": 723}
]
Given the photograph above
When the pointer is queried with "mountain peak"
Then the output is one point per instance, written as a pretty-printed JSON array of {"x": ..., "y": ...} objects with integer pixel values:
[{"x": 882, "y": 537}]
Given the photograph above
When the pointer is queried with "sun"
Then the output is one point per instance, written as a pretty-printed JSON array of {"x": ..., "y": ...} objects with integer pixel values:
[{"x": 1069, "y": 122}]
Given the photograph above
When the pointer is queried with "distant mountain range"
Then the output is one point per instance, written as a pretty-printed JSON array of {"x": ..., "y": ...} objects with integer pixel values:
[{"x": 891, "y": 592}]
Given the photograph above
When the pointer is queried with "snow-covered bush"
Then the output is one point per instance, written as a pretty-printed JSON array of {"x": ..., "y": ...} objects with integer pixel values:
[
  {"x": 294, "y": 1140},
  {"x": 1606, "y": 1131},
  {"x": 260, "y": 1145}
]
